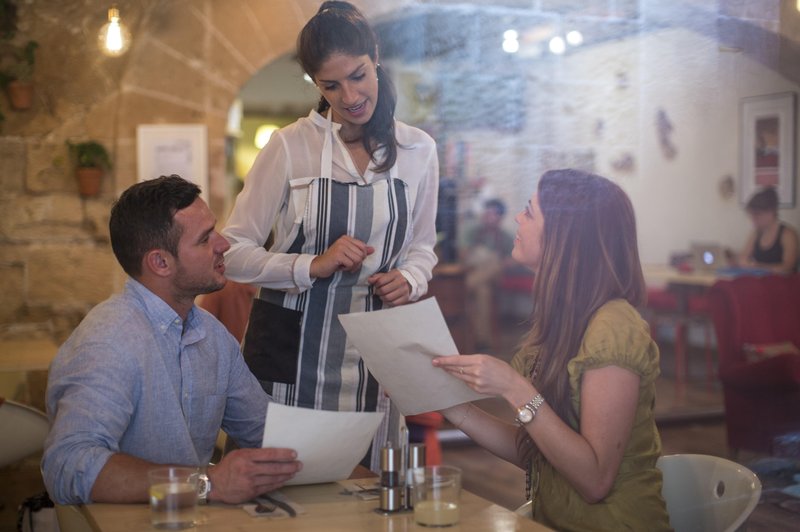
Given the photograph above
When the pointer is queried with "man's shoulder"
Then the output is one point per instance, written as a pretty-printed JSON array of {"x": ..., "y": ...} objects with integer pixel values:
[{"x": 116, "y": 322}]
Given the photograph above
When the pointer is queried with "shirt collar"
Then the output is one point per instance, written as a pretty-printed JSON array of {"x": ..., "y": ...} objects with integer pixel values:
[
  {"x": 160, "y": 314},
  {"x": 322, "y": 120}
]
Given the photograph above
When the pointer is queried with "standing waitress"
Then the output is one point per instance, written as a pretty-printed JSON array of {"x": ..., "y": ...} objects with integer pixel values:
[{"x": 351, "y": 196}]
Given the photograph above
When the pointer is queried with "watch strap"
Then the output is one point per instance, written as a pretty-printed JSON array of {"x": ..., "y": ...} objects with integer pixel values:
[{"x": 533, "y": 406}]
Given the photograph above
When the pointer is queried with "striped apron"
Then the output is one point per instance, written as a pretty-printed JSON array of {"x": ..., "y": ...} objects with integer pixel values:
[{"x": 294, "y": 343}]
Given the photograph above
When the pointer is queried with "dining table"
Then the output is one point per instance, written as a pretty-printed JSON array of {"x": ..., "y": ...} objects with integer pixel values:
[
  {"x": 683, "y": 284},
  {"x": 331, "y": 507}
]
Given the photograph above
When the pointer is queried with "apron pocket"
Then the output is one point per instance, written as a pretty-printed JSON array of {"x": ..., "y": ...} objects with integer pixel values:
[{"x": 272, "y": 342}]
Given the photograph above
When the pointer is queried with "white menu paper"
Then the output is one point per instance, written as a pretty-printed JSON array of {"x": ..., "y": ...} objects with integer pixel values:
[
  {"x": 398, "y": 344},
  {"x": 329, "y": 444}
]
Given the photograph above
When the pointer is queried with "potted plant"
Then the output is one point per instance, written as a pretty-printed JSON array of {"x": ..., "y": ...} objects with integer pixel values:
[
  {"x": 16, "y": 73},
  {"x": 91, "y": 162}
]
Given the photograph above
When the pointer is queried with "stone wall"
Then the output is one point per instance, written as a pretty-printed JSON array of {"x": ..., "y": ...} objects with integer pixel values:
[{"x": 188, "y": 60}]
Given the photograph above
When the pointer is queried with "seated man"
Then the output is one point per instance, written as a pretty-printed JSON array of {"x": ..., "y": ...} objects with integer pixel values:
[{"x": 149, "y": 378}]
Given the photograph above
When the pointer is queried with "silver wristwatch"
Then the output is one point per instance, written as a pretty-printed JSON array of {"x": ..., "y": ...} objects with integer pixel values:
[
  {"x": 528, "y": 411},
  {"x": 203, "y": 487}
]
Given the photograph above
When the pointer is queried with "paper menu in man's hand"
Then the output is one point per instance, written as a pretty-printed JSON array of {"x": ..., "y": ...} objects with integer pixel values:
[
  {"x": 398, "y": 344},
  {"x": 329, "y": 444}
]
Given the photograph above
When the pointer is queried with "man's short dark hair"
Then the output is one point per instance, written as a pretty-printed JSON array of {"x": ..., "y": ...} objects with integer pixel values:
[
  {"x": 142, "y": 219},
  {"x": 497, "y": 205}
]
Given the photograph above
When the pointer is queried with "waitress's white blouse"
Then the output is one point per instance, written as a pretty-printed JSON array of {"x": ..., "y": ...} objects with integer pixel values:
[{"x": 294, "y": 152}]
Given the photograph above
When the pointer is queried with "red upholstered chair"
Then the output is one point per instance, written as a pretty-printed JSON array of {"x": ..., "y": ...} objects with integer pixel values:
[{"x": 762, "y": 395}]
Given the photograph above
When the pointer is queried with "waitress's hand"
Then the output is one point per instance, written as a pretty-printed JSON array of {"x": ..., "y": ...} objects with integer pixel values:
[
  {"x": 392, "y": 287},
  {"x": 346, "y": 254},
  {"x": 487, "y": 375}
]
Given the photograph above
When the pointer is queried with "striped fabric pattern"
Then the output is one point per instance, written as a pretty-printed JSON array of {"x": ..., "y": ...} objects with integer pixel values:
[{"x": 331, "y": 375}]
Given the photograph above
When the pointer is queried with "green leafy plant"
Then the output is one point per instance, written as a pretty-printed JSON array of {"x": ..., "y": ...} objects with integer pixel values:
[
  {"x": 17, "y": 62},
  {"x": 89, "y": 154}
]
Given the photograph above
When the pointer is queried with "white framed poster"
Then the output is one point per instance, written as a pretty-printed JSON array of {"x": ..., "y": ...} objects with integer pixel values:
[
  {"x": 768, "y": 150},
  {"x": 165, "y": 149}
]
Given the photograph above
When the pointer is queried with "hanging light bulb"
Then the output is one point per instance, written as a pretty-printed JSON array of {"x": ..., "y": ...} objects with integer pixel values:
[{"x": 114, "y": 38}]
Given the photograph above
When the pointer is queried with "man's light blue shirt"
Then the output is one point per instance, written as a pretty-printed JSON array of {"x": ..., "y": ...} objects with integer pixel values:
[{"x": 134, "y": 378}]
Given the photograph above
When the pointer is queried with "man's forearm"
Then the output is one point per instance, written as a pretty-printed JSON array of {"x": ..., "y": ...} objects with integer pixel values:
[{"x": 122, "y": 480}]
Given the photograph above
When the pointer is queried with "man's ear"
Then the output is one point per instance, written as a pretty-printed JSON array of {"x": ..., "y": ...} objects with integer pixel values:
[{"x": 159, "y": 262}]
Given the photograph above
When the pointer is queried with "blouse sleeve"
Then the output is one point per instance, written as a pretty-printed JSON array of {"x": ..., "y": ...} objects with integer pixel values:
[
  {"x": 616, "y": 336},
  {"x": 417, "y": 263},
  {"x": 254, "y": 214}
]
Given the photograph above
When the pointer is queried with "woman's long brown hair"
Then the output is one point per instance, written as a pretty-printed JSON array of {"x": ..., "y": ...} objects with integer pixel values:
[{"x": 589, "y": 257}]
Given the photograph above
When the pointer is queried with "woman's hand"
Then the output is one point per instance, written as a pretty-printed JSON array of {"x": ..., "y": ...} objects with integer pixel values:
[
  {"x": 346, "y": 254},
  {"x": 488, "y": 375},
  {"x": 392, "y": 287}
]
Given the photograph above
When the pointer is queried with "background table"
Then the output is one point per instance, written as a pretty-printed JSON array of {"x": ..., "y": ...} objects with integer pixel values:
[
  {"x": 327, "y": 508},
  {"x": 683, "y": 285}
]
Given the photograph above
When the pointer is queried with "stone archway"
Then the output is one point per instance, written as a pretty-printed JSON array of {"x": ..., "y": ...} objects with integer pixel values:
[{"x": 188, "y": 60}]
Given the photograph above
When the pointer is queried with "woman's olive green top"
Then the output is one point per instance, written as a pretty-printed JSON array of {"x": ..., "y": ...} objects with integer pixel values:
[{"x": 616, "y": 336}]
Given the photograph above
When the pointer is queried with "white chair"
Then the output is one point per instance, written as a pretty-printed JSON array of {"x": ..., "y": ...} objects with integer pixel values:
[
  {"x": 22, "y": 431},
  {"x": 707, "y": 493},
  {"x": 703, "y": 493}
]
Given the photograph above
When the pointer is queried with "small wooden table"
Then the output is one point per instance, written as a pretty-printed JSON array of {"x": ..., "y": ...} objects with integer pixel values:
[
  {"x": 683, "y": 285},
  {"x": 327, "y": 508},
  {"x": 23, "y": 367},
  {"x": 26, "y": 355}
]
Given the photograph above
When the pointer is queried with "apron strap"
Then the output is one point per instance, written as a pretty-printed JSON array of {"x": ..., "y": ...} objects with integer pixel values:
[{"x": 326, "y": 162}]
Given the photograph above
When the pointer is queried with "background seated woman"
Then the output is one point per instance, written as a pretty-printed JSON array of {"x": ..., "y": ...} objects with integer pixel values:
[
  {"x": 773, "y": 244},
  {"x": 583, "y": 381}
]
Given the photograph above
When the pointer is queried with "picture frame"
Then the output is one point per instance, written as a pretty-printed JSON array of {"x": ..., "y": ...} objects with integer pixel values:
[
  {"x": 769, "y": 146},
  {"x": 165, "y": 149}
]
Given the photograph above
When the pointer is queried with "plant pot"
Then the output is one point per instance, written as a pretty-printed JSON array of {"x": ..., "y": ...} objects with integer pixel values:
[
  {"x": 20, "y": 94},
  {"x": 89, "y": 181}
]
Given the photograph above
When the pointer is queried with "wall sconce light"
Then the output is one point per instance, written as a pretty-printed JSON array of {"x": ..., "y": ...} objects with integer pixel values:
[
  {"x": 511, "y": 41},
  {"x": 575, "y": 38},
  {"x": 263, "y": 133},
  {"x": 114, "y": 38},
  {"x": 557, "y": 45}
]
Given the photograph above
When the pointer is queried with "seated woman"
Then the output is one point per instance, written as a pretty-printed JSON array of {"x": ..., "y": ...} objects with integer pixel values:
[
  {"x": 773, "y": 245},
  {"x": 583, "y": 382}
]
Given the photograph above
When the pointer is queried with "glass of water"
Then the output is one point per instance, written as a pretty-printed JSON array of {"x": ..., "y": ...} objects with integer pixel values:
[{"x": 173, "y": 497}]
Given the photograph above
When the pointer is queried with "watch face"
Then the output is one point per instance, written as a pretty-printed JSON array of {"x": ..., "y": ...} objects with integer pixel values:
[
  {"x": 202, "y": 486},
  {"x": 524, "y": 415}
]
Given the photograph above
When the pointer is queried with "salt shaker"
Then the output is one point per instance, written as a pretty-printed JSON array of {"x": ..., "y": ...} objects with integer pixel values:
[{"x": 391, "y": 489}]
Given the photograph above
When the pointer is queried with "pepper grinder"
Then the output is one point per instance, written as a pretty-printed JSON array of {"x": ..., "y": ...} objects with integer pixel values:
[
  {"x": 391, "y": 499},
  {"x": 416, "y": 458}
]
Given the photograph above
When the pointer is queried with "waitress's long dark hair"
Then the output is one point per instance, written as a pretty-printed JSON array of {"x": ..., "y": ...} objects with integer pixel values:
[{"x": 340, "y": 27}]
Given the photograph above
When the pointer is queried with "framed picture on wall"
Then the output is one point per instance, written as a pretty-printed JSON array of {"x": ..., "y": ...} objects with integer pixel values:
[
  {"x": 769, "y": 146},
  {"x": 165, "y": 149}
]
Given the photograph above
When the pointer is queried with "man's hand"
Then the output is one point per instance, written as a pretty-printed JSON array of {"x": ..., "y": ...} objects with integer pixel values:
[
  {"x": 244, "y": 474},
  {"x": 346, "y": 254},
  {"x": 392, "y": 287}
]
